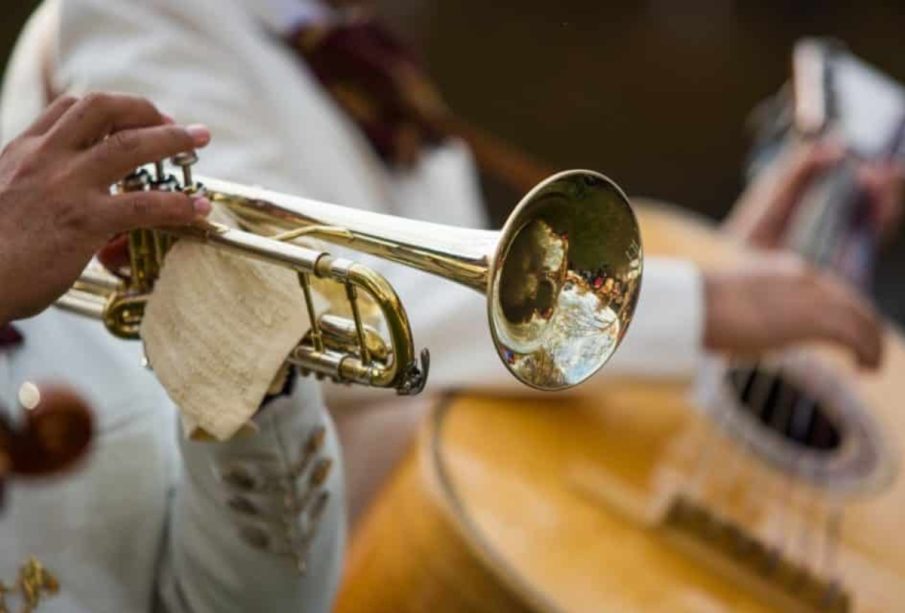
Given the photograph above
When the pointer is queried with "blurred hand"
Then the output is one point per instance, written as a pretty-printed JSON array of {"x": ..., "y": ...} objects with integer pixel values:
[
  {"x": 884, "y": 186},
  {"x": 56, "y": 209},
  {"x": 761, "y": 215},
  {"x": 773, "y": 300}
]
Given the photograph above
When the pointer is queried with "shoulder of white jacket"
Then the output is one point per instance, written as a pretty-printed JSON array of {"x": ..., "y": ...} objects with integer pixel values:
[
  {"x": 281, "y": 16},
  {"x": 23, "y": 94}
]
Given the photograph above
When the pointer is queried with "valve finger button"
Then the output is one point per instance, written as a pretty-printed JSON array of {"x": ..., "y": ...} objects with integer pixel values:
[{"x": 185, "y": 160}]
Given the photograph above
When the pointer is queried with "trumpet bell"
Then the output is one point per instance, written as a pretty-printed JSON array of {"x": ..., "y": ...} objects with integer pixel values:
[{"x": 564, "y": 280}]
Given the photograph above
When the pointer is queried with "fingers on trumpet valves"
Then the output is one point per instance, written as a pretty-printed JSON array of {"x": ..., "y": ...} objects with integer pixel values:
[{"x": 141, "y": 179}]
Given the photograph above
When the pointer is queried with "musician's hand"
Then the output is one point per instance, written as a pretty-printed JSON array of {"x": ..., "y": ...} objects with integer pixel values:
[
  {"x": 884, "y": 185},
  {"x": 761, "y": 215},
  {"x": 56, "y": 209},
  {"x": 776, "y": 300}
]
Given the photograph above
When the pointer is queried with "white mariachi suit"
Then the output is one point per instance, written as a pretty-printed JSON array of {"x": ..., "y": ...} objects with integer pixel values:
[
  {"x": 126, "y": 541},
  {"x": 151, "y": 521}
]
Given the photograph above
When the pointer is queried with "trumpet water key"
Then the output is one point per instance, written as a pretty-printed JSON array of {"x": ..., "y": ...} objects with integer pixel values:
[{"x": 561, "y": 278}]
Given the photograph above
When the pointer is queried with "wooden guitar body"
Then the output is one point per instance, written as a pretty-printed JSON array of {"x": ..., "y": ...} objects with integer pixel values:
[{"x": 632, "y": 500}]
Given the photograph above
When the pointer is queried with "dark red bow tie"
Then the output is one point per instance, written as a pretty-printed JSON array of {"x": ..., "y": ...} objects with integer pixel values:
[
  {"x": 379, "y": 83},
  {"x": 9, "y": 337}
]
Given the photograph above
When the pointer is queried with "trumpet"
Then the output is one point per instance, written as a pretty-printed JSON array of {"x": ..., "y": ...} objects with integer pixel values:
[{"x": 561, "y": 278}]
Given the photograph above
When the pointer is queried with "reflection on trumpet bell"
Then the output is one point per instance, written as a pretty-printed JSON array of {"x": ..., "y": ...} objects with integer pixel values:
[
  {"x": 561, "y": 277},
  {"x": 566, "y": 282}
]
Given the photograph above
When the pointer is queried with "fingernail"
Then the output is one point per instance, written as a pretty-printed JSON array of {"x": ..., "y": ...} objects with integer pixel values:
[
  {"x": 199, "y": 133},
  {"x": 202, "y": 206},
  {"x": 167, "y": 119}
]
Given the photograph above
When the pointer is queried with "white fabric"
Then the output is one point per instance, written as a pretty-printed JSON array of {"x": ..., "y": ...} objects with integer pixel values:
[
  {"x": 142, "y": 525},
  {"x": 23, "y": 83},
  {"x": 282, "y": 16},
  {"x": 218, "y": 369}
]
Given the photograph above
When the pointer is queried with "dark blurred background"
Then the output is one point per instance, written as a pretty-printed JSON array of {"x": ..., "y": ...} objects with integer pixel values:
[{"x": 653, "y": 93}]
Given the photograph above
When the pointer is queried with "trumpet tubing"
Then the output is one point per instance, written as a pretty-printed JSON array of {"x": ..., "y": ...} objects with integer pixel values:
[{"x": 561, "y": 277}]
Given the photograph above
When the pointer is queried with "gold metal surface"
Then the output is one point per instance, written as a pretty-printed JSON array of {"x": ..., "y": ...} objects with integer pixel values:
[
  {"x": 33, "y": 584},
  {"x": 561, "y": 277}
]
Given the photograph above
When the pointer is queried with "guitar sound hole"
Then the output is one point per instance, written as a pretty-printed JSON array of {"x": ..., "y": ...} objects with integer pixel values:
[{"x": 784, "y": 408}]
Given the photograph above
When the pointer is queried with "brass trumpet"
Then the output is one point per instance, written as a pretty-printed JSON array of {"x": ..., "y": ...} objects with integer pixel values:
[{"x": 561, "y": 278}]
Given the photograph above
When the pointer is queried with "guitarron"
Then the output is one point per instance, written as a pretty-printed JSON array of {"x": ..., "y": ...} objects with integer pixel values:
[{"x": 639, "y": 500}]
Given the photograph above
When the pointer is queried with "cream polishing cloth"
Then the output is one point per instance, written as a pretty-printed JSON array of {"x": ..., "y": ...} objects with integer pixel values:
[{"x": 217, "y": 329}]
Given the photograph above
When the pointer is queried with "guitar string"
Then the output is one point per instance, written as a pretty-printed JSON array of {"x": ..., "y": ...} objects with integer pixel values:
[
  {"x": 713, "y": 440},
  {"x": 833, "y": 247},
  {"x": 694, "y": 484},
  {"x": 826, "y": 237},
  {"x": 856, "y": 256},
  {"x": 779, "y": 419},
  {"x": 831, "y": 532},
  {"x": 762, "y": 386},
  {"x": 821, "y": 240},
  {"x": 756, "y": 394},
  {"x": 785, "y": 416},
  {"x": 832, "y": 210},
  {"x": 856, "y": 242}
]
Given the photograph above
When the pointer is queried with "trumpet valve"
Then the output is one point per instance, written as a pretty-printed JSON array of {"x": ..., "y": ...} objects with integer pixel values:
[
  {"x": 185, "y": 161},
  {"x": 136, "y": 181},
  {"x": 163, "y": 181}
]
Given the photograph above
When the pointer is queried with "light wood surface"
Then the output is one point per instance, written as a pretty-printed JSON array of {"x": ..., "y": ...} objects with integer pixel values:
[{"x": 508, "y": 504}]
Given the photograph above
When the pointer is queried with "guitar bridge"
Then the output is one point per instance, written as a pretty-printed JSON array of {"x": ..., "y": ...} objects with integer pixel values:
[{"x": 730, "y": 541}]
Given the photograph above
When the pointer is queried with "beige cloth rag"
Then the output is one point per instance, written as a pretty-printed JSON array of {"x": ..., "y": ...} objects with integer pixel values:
[{"x": 217, "y": 329}]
